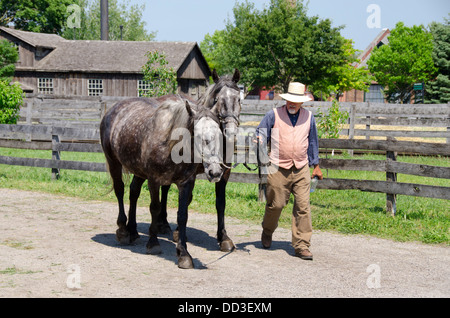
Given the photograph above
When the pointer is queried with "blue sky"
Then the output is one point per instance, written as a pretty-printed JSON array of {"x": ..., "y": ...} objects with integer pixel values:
[{"x": 190, "y": 20}]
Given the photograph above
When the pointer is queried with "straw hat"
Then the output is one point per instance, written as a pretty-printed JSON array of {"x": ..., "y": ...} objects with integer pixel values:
[{"x": 296, "y": 93}]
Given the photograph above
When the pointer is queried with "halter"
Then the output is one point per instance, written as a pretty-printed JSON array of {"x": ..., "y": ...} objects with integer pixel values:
[{"x": 228, "y": 119}]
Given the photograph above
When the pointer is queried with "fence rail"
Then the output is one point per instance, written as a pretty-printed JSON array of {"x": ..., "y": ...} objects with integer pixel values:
[
  {"x": 60, "y": 123},
  {"x": 374, "y": 120},
  {"x": 58, "y": 139},
  {"x": 366, "y": 120}
]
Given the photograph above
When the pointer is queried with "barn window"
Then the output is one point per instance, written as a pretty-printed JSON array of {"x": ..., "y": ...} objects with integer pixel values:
[
  {"x": 144, "y": 87},
  {"x": 95, "y": 87},
  {"x": 375, "y": 94},
  {"x": 45, "y": 86}
]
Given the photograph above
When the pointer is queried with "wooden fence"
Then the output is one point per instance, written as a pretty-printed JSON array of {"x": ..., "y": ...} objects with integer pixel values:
[
  {"x": 59, "y": 123},
  {"x": 417, "y": 122},
  {"x": 57, "y": 139}
]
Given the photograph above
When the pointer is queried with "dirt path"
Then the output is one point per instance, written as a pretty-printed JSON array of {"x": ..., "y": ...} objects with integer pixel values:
[{"x": 55, "y": 246}]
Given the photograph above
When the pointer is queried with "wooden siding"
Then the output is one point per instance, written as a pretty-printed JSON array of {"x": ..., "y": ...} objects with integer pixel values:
[
  {"x": 27, "y": 55},
  {"x": 192, "y": 75},
  {"x": 76, "y": 84},
  {"x": 193, "y": 68},
  {"x": 71, "y": 84}
]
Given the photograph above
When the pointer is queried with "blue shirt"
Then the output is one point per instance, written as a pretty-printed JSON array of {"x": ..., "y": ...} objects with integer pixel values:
[{"x": 268, "y": 121}]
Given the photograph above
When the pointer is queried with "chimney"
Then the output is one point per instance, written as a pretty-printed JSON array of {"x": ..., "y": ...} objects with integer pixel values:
[{"x": 104, "y": 20}]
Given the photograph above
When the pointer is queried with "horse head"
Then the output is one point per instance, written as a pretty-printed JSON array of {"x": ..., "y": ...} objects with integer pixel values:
[
  {"x": 224, "y": 100},
  {"x": 207, "y": 141}
]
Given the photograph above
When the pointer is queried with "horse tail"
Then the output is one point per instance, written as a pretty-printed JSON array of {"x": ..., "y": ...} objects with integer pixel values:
[{"x": 125, "y": 177}]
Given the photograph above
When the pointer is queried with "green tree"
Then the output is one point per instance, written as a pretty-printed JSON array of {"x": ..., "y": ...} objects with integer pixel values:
[
  {"x": 45, "y": 16},
  {"x": 11, "y": 98},
  {"x": 8, "y": 58},
  {"x": 280, "y": 44},
  {"x": 162, "y": 79},
  {"x": 330, "y": 124},
  {"x": 438, "y": 90},
  {"x": 215, "y": 50},
  {"x": 345, "y": 76},
  {"x": 406, "y": 60},
  {"x": 129, "y": 16}
]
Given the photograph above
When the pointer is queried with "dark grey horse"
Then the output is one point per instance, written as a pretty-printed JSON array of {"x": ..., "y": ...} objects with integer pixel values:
[
  {"x": 141, "y": 136},
  {"x": 223, "y": 99}
]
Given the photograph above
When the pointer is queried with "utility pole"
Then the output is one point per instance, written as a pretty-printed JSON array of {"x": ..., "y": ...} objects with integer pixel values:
[{"x": 104, "y": 20}]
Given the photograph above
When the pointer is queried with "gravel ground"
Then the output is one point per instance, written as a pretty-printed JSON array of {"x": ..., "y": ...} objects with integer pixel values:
[{"x": 55, "y": 246}]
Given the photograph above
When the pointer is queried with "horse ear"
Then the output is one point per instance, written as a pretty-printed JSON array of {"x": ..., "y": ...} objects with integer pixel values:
[
  {"x": 189, "y": 109},
  {"x": 215, "y": 76},
  {"x": 236, "y": 75}
]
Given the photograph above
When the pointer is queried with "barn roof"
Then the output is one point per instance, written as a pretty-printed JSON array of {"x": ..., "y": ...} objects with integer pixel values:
[
  {"x": 111, "y": 56},
  {"x": 35, "y": 39},
  {"x": 100, "y": 56}
]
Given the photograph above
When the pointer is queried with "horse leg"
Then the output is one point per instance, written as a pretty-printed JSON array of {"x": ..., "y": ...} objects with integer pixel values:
[
  {"x": 153, "y": 246},
  {"x": 175, "y": 235},
  {"x": 135, "y": 191},
  {"x": 163, "y": 225},
  {"x": 225, "y": 243},
  {"x": 184, "y": 197},
  {"x": 115, "y": 170}
]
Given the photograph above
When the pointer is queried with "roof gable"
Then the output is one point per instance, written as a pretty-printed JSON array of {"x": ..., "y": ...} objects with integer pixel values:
[
  {"x": 111, "y": 56},
  {"x": 35, "y": 39},
  {"x": 104, "y": 56},
  {"x": 381, "y": 38}
]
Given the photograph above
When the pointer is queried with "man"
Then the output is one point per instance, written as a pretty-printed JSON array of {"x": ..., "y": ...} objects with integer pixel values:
[{"x": 292, "y": 133}]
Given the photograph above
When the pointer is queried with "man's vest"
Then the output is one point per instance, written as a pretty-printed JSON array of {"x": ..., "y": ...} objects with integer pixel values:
[{"x": 289, "y": 144}]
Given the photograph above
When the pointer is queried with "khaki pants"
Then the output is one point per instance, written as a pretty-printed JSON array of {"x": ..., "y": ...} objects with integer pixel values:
[{"x": 280, "y": 184}]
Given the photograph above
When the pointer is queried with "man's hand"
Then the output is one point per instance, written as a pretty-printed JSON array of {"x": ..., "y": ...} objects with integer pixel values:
[
  {"x": 317, "y": 172},
  {"x": 257, "y": 139}
]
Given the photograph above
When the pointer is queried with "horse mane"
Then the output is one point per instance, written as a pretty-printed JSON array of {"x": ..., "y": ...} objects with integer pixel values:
[
  {"x": 173, "y": 114},
  {"x": 207, "y": 99}
]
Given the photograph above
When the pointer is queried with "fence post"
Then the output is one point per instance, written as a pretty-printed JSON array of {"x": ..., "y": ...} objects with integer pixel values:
[
  {"x": 391, "y": 199},
  {"x": 55, "y": 155},
  {"x": 351, "y": 130},
  {"x": 262, "y": 192},
  {"x": 368, "y": 122},
  {"x": 103, "y": 108},
  {"x": 448, "y": 120}
]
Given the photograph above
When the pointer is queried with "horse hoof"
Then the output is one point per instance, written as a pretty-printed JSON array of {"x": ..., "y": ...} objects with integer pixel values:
[
  {"x": 175, "y": 236},
  {"x": 123, "y": 236},
  {"x": 154, "y": 250},
  {"x": 227, "y": 246},
  {"x": 185, "y": 262},
  {"x": 164, "y": 229},
  {"x": 134, "y": 238}
]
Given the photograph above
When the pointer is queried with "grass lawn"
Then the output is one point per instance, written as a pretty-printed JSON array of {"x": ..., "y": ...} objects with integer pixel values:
[{"x": 346, "y": 211}]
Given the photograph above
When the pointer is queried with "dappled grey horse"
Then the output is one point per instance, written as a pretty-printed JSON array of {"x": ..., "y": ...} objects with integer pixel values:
[
  {"x": 152, "y": 139},
  {"x": 223, "y": 99}
]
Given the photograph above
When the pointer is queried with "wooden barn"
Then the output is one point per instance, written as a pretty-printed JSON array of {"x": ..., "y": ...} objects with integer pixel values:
[{"x": 51, "y": 65}]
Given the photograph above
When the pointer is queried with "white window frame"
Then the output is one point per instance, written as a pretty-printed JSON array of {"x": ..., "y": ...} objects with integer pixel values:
[
  {"x": 375, "y": 94},
  {"x": 95, "y": 87},
  {"x": 143, "y": 87},
  {"x": 45, "y": 86}
]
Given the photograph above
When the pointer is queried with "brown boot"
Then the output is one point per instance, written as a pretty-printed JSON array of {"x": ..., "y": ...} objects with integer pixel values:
[
  {"x": 266, "y": 240},
  {"x": 304, "y": 254}
]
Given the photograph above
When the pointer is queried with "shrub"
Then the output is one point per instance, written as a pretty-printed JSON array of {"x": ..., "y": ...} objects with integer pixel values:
[{"x": 11, "y": 98}]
